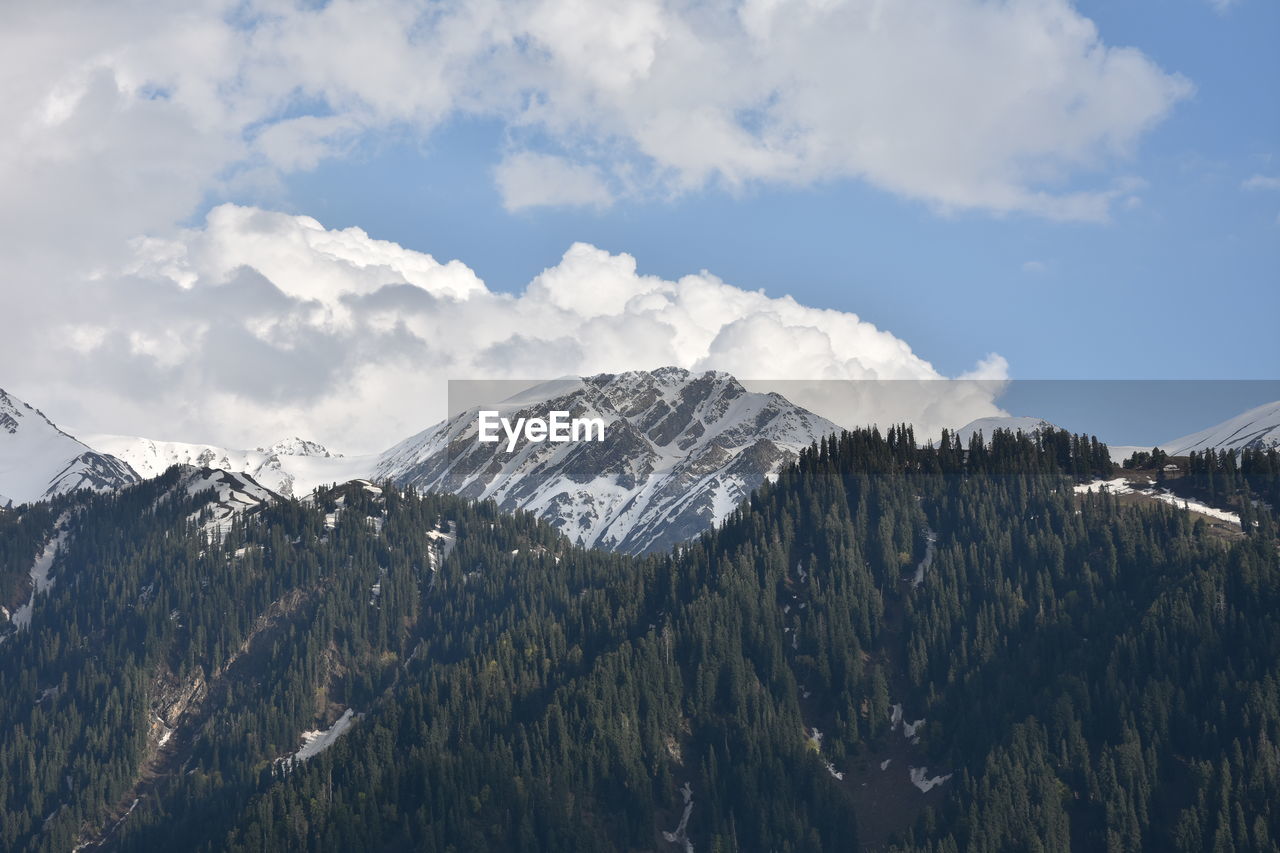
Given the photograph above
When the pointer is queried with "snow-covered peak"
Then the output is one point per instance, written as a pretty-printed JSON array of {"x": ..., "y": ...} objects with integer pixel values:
[
  {"x": 298, "y": 447},
  {"x": 540, "y": 393},
  {"x": 287, "y": 473},
  {"x": 38, "y": 460},
  {"x": 987, "y": 426},
  {"x": 1257, "y": 428},
  {"x": 681, "y": 450}
]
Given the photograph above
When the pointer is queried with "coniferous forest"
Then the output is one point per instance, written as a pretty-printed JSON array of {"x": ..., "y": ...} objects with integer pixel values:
[{"x": 890, "y": 647}]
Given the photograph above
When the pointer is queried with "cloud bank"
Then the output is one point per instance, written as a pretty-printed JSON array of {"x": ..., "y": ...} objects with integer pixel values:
[
  {"x": 258, "y": 324},
  {"x": 124, "y": 119},
  {"x": 141, "y": 107}
]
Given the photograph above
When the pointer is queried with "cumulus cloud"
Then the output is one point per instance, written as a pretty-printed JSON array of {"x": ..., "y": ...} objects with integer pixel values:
[
  {"x": 141, "y": 107},
  {"x": 124, "y": 119},
  {"x": 257, "y": 324}
]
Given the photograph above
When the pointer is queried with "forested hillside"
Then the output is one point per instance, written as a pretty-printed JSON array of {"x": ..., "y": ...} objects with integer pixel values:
[{"x": 894, "y": 647}]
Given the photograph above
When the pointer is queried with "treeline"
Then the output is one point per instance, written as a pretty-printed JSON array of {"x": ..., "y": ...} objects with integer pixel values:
[{"x": 1234, "y": 478}]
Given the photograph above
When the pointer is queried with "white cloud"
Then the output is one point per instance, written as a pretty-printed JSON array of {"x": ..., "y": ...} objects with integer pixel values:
[
  {"x": 123, "y": 119},
  {"x": 259, "y": 324},
  {"x": 973, "y": 104},
  {"x": 1034, "y": 267},
  {"x": 993, "y": 368},
  {"x": 526, "y": 179},
  {"x": 1260, "y": 182}
]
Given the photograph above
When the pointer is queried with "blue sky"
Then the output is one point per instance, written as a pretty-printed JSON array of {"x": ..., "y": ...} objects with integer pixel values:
[{"x": 1185, "y": 285}]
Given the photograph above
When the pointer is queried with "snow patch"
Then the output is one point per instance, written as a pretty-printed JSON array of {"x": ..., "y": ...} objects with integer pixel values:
[
  {"x": 166, "y": 733},
  {"x": 919, "y": 779},
  {"x": 1195, "y": 506},
  {"x": 317, "y": 741},
  {"x": 680, "y": 835},
  {"x": 909, "y": 730},
  {"x": 931, "y": 548},
  {"x": 39, "y": 574},
  {"x": 1121, "y": 486},
  {"x": 1118, "y": 486}
]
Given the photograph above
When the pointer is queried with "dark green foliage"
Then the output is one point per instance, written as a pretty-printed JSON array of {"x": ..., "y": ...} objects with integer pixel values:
[
  {"x": 1154, "y": 458},
  {"x": 1096, "y": 676},
  {"x": 1234, "y": 480}
]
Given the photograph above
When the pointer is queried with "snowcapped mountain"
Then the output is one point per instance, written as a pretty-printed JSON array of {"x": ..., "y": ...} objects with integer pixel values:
[
  {"x": 1256, "y": 428},
  {"x": 292, "y": 467},
  {"x": 38, "y": 460},
  {"x": 233, "y": 493},
  {"x": 681, "y": 450},
  {"x": 990, "y": 425},
  {"x": 298, "y": 447}
]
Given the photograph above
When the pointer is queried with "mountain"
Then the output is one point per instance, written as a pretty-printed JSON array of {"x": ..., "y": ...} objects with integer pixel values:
[
  {"x": 866, "y": 656},
  {"x": 298, "y": 447},
  {"x": 1258, "y": 428},
  {"x": 680, "y": 451},
  {"x": 989, "y": 425},
  {"x": 38, "y": 460},
  {"x": 231, "y": 494},
  {"x": 293, "y": 467}
]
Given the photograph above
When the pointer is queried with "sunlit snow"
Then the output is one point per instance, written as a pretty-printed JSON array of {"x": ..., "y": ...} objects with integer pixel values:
[
  {"x": 1121, "y": 486},
  {"x": 317, "y": 741}
]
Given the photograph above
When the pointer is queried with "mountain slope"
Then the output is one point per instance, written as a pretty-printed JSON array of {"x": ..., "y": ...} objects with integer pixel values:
[
  {"x": 292, "y": 467},
  {"x": 681, "y": 450},
  {"x": 987, "y": 426},
  {"x": 867, "y": 655},
  {"x": 38, "y": 460},
  {"x": 1257, "y": 428}
]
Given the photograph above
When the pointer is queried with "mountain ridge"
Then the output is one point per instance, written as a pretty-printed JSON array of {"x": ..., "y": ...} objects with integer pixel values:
[
  {"x": 683, "y": 449},
  {"x": 1255, "y": 428},
  {"x": 680, "y": 451},
  {"x": 291, "y": 467},
  {"x": 39, "y": 461}
]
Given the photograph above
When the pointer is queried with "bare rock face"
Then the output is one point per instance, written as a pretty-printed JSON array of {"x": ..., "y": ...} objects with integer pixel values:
[
  {"x": 680, "y": 451},
  {"x": 174, "y": 699},
  {"x": 171, "y": 699}
]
